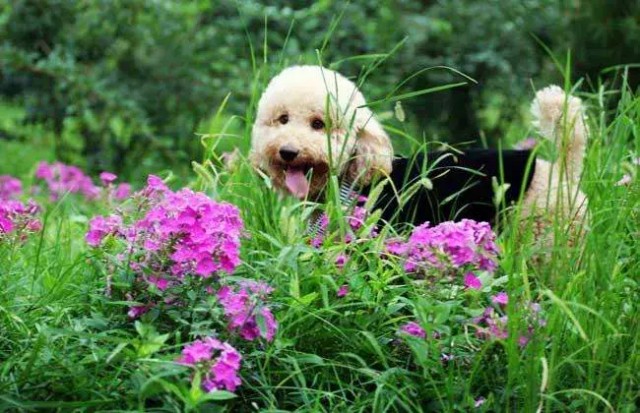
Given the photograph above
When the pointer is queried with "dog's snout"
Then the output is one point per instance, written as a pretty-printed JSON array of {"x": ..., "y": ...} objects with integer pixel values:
[{"x": 288, "y": 153}]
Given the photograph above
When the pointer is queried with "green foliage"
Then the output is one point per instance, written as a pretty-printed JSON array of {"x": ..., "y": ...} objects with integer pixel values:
[
  {"x": 65, "y": 345},
  {"x": 126, "y": 85}
]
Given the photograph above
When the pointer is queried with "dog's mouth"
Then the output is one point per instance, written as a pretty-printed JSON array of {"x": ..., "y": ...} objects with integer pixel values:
[{"x": 298, "y": 177}]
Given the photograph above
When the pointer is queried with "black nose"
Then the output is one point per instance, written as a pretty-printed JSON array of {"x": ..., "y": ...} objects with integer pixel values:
[{"x": 288, "y": 153}]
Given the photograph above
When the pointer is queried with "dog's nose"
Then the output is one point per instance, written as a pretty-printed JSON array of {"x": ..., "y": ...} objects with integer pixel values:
[{"x": 288, "y": 153}]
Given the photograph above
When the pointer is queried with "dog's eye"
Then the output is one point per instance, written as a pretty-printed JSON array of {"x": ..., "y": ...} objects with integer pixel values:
[
  {"x": 317, "y": 124},
  {"x": 283, "y": 119}
]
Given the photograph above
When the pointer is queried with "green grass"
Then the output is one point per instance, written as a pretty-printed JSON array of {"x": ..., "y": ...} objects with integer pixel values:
[{"x": 65, "y": 346}]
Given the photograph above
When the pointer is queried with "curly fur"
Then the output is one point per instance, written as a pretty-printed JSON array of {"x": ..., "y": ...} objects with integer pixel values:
[
  {"x": 358, "y": 148},
  {"x": 358, "y": 145}
]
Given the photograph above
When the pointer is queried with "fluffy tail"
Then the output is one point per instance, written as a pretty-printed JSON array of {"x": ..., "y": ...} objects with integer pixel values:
[{"x": 560, "y": 118}]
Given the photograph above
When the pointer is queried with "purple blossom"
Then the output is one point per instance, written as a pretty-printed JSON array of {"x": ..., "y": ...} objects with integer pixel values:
[
  {"x": 62, "y": 179},
  {"x": 242, "y": 309},
  {"x": 122, "y": 191},
  {"x": 357, "y": 218},
  {"x": 18, "y": 218},
  {"x": 10, "y": 187},
  {"x": 501, "y": 298},
  {"x": 100, "y": 227},
  {"x": 137, "y": 311},
  {"x": 107, "y": 178},
  {"x": 343, "y": 291},
  {"x": 396, "y": 247},
  {"x": 413, "y": 329},
  {"x": 451, "y": 244},
  {"x": 341, "y": 260},
  {"x": 218, "y": 361},
  {"x": 472, "y": 282}
]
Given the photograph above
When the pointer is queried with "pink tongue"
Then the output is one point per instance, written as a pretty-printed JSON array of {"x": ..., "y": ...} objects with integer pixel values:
[{"x": 296, "y": 182}]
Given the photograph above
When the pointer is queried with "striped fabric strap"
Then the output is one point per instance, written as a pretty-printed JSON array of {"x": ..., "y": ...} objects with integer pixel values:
[{"x": 347, "y": 197}]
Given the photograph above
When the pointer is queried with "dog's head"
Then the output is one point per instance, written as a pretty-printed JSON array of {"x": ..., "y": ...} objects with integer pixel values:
[{"x": 312, "y": 120}]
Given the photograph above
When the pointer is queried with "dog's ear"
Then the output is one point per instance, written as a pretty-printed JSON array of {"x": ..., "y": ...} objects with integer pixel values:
[{"x": 373, "y": 149}]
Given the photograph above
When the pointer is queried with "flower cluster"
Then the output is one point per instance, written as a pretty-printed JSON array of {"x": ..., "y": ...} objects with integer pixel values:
[
  {"x": 15, "y": 216},
  {"x": 10, "y": 187},
  {"x": 183, "y": 233},
  {"x": 18, "y": 218},
  {"x": 61, "y": 179},
  {"x": 246, "y": 311},
  {"x": 413, "y": 329},
  {"x": 450, "y": 245},
  {"x": 492, "y": 324},
  {"x": 356, "y": 216},
  {"x": 217, "y": 361}
]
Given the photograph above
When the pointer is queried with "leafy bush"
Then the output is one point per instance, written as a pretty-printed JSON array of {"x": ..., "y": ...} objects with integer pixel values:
[{"x": 127, "y": 84}]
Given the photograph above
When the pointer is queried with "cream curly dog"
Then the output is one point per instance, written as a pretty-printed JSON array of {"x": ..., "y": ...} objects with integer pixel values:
[{"x": 312, "y": 120}]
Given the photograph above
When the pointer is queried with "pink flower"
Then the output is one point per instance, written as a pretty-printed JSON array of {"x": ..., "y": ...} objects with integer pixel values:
[
  {"x": 100, "y": 227},
  {"x": 108, "y": 178},
  {"x": 451, "y": 245},
  {"x": 341, "y": 260},
  {"x": 357, "y": 218},
  {"x": 396, "y": 247},
  {"x": 10, "y": 187},
  {"x": 156, "y": 184},
  {"x": 136, "y": 311},
  {"x": 501, "y": 298},
  {"x": 122, "y": 191},
  {"x": 218, "y": 361},
  {"x": 161, "y": 283},
  {"x": 343, "y": 291},
  {"x": 472, "y": 282},
  {"x": 243, "y": 309},
  {"x": 18, "y": 218},
  {"x": 62, "y": 179},
  {"x": 413, "y": 329}
]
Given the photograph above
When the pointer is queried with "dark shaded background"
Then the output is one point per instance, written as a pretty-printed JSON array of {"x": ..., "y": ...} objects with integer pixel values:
[{"x": 119, "y": 84}]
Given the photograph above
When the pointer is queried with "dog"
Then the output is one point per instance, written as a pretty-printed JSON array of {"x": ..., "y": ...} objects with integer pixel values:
[{"x": 312, "y": 121}]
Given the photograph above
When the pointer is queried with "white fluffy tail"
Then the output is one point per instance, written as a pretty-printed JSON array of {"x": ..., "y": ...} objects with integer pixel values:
[{"x": 568, "y": 132}]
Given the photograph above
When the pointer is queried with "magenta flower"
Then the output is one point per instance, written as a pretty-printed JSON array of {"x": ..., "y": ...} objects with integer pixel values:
[
  {"x": 62, "y": 179},
  {"x": 357, "y": 218},
  {"x": 156, "y": 184},
  {"x": 501, "y": 298},
  {"x": 218, "y": 361},
  {"x": 18, "y": 218},
  {"x": 451, "y": 244},
  {"x": 242, "y": 309},
  {"x": 100, "y": 227},
  {"x": 341, "y": 260},
  {"x": 343, "y": 291},
  {"x": 122, "y": 191},
  {"x": 413, "y": 329},
  {"x": 108, "y": 178},
  {"x": 10, "y": 187},
  {"x": 396, "y": 247},
  {"x": 472, "y": 282},
  {"x": 137, "y": 311}
]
